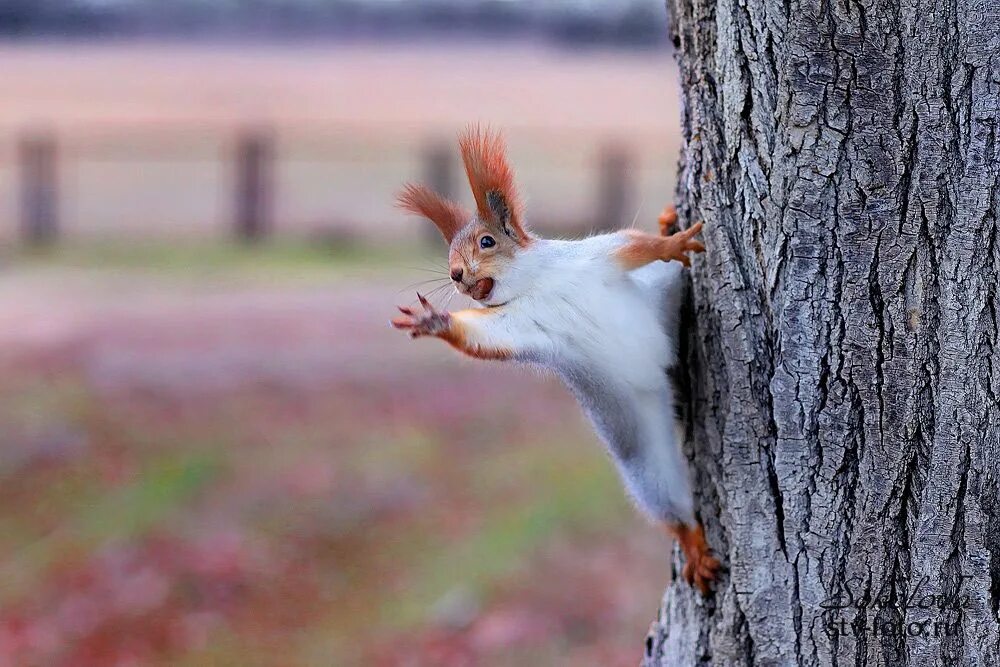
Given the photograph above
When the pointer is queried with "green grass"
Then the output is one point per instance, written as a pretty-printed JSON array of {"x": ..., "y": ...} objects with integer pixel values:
[
  {"x": 479, "y": 507},
  {"x": 161, "y": 489},
  {"x": 35, "y": 403},
  {"x": 524, "y": 497},
  {"x": 558, "y": 499}
]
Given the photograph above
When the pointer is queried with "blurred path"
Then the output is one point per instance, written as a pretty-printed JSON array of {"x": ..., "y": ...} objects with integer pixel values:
[{"x": 134, "y": 331}]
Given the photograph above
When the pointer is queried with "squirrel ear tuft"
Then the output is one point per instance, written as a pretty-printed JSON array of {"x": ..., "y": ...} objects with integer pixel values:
[
  {"x": 485, "y": 156},
  {"x": 446, "y": 215}
]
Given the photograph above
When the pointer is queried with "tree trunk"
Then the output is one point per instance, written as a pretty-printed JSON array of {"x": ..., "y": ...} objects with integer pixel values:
[{"x": 844, "y": 364}]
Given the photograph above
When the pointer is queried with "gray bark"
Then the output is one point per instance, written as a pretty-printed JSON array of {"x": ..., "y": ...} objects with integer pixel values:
[{"x": 844, "y": 364}]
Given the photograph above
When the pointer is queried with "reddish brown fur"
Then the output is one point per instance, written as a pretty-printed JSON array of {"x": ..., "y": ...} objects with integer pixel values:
[
  {"x": 700, "y": 568},
  {"x": 490, "y": 262},
  {"x": 448, "y": 216},
  {"x": 485, "y": 159},
  {"x": 667, "y": 219},
  {"x": 643, "y": 248},
  {"x": 448, "y": 327},
  {"x": 456, "y": 337}
]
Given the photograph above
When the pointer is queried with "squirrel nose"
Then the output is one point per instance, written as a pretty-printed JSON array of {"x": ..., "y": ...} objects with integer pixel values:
[{"x": 456, "y": 275}]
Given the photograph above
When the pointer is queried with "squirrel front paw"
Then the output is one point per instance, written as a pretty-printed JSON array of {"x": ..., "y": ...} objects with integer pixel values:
[
  {"x": 676, "y": 246},
  {"x": 427, "y": 322}
]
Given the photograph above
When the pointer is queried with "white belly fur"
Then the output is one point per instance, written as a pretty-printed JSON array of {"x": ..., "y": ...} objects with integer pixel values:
[{"x": 611, "y": 336}]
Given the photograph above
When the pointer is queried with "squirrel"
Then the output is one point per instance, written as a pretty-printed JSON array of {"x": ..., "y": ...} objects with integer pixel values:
[{"x": 600, "y": 312}]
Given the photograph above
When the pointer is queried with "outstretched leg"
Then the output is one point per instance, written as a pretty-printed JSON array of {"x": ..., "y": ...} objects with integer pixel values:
[
  {"x": 641, "y": 248},
  {"x": 470, "y": 331},
  {"x": 701, "y": 568},
  {"x": 484, "y": 333}
]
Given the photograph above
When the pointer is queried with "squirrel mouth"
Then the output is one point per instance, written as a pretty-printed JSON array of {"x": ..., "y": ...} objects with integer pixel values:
[{"x": 481, "y": 289}]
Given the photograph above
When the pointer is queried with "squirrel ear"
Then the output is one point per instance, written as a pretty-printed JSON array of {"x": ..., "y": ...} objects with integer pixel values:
[
  {"x": 492, "y": 181},
  {"x": 446, "y": 215}
]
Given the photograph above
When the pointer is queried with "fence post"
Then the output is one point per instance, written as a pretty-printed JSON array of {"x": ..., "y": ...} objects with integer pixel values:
[
  {"x": 438, "y": 175},
  {"x": 254, "y": 185},
  {"x": 39, "y": 188},
  {"x": 613, "y": 187}
]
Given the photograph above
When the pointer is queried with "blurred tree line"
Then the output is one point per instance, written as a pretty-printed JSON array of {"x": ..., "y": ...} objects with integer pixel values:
[{"x": 617, "y": 22}]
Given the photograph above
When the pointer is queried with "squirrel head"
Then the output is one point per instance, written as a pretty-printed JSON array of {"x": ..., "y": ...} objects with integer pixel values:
[{"x": 482, "y": 246}]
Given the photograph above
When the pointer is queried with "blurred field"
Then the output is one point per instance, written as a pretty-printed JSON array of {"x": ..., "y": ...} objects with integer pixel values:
[
  {"x": 220, "y": 455},
  {"x": 240, "y": 464},
  {"x": 145, "y": 130},
  {"x": 398, "y": 87}
]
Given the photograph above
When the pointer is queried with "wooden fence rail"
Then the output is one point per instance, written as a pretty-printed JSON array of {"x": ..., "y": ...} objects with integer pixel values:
[{"x": 253, "y": 164}]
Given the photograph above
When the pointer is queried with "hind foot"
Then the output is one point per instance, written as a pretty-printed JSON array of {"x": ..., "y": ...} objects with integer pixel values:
[{"x": 701, "y": 568}]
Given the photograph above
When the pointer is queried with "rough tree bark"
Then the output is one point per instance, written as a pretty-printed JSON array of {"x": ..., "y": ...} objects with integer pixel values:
[{"x": 845, "y": 363}]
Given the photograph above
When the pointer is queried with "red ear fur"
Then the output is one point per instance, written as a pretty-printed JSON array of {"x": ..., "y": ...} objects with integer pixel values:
[
  {"x": 492, "y": 180},
  {"x": 448, "y": 216}
]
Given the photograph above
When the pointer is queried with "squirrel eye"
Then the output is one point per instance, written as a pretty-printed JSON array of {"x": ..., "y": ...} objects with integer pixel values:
[{"x": 487, "y": 242}]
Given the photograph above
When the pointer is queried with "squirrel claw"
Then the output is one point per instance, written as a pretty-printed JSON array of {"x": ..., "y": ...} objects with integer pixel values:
[
  {"x": 682, "y": 242},
  {"x": 427, "y": 323},
  {"x": 700, "y": 576},
  {"x": 693, "y": 229},
  {"x": 701, "y": 567}
]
